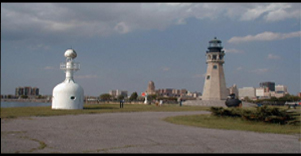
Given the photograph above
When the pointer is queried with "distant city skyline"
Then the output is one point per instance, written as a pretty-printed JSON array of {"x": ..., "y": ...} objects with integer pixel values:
[{"x": 125, "y": 45}]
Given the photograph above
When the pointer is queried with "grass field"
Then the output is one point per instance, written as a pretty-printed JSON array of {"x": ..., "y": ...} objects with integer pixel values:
[
  {"x": 210, "y": 121},
  {"x": 15, "y": 112}
]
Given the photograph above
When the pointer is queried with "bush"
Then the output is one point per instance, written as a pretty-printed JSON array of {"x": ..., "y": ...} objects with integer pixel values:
[{"x": 265, "y": 114}]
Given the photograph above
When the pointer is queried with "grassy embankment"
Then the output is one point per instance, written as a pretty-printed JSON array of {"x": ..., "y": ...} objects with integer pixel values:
[{"x": 230, "y": 123}]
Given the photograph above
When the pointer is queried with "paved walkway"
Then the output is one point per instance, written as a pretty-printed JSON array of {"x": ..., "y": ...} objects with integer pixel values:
[{"x": 139, "y": 132}]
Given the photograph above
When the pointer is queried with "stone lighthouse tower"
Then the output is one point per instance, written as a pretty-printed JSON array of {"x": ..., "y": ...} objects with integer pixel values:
[{"x": 215, "y": 84}]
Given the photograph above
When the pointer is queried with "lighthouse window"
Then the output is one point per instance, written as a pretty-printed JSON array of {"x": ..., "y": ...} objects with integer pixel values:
[
  {"x": 214, "y": 66},
  {"x": 208, "y": 77},
  {"x": 221, "y": 57},
  {"x": 72, "y": 97},
  {"x": 214, "y": 57}
]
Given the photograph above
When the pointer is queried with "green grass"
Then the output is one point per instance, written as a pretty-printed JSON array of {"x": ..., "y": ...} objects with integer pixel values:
[
  {"x": 15, "y": 112},
  {"x": 228, "y": 123}
]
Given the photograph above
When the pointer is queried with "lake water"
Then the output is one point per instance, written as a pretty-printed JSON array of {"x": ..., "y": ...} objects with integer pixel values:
[{"x": 5, "y": 104}]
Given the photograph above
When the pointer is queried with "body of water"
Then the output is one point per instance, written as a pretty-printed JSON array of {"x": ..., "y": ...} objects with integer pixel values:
[{"x": 5, "y": 104}]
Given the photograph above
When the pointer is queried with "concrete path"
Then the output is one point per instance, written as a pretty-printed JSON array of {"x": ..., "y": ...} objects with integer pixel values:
[{"x": 139, "y": 132}]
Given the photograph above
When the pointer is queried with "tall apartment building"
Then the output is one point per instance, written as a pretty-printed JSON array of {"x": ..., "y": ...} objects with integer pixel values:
[
  {"x": 19, "y": 91},
  {"x": 35, "y": 91},
  {"x": 28, "y": 91},
  {"x": 269, "y": 85}
]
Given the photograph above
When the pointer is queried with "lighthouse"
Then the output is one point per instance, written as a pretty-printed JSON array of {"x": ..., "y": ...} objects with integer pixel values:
[
  {"x": 68, "y": 94},
  {"x": 215, "y": 83}
]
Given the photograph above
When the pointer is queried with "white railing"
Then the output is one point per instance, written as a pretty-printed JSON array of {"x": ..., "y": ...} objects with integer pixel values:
[{"x": 70, "y": 66}]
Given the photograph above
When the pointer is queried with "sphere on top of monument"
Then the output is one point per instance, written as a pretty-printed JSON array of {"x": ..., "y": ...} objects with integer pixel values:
[{"x": 70, "y": 53}]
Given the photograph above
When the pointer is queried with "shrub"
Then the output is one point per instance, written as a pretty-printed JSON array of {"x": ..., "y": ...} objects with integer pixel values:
[{"x": 265, "y": 114}]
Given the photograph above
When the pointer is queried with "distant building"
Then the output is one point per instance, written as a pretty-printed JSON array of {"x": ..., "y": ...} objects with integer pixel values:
[
  {"x": 35, "y": 91},
  {"x": 247, "y": 92},
  {"x": 280, "y": 91},
  {"x": 28, "y": 91},
  {"x": 113, "y": 93},
  {"x": 233, "y": 89},
  {"x": 165, "y": 92},
  {"x": 193, "y": 94},
  {"x": 263, "y": 93},
  {"x": 176, "y": 92},
  {"x": 116, "y": 93},
  {"x": 269, "y": 85},
  {"x": 170, "y": 92},
  {"x": 151, "y": 88},
  {"x": 184, "y": 91},
  {"x": 122, "y": 92},
  {"x": 19, "y": 91}
]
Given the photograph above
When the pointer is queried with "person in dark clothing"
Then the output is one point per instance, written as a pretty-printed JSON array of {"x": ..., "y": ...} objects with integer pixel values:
[
  {"x": 232, "y": 101},
  {"x": 121, "y": 103}
]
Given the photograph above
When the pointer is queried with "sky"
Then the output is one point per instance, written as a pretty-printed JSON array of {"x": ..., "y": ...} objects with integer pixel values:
[{"x": 125, "y": 45}]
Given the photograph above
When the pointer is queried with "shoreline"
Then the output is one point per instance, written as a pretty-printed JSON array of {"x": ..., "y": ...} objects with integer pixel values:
[{"x": 26, "y": 100}]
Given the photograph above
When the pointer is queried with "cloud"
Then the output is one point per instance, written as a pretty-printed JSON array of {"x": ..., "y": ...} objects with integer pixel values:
[
  {"x": 273, "y": 57},
  {"x": 234, "y": 51},
  {"x": 165, "y": 68},
  {"x": 239, "y": 68},
  {"x": 285, "y": 12},
  {"x": 260, "y": 71},
  {"x": 122, "y": 28},
  {"x": 265, "y": 36},
  {"x": 32, "y": 21},
  {"x": 271, "y": 10}
]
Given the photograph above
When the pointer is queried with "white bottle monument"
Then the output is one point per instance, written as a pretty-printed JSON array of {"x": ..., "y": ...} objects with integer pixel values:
[{"x": 68, "y": 94}]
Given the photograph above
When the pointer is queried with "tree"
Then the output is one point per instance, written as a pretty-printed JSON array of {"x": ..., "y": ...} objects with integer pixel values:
[
  {"x": 105, "y": 97},
  {"x": 247, "y": 99},
  {"x": 134, "y": 96},
  {"x": 24, "y": 96},
  {"x": 120, "y": 97},
  {"x": 151, "y": 97}
]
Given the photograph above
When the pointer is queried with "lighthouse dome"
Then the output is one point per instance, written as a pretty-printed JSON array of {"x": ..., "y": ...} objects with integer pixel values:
[{"x": 70, "y": 53}]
